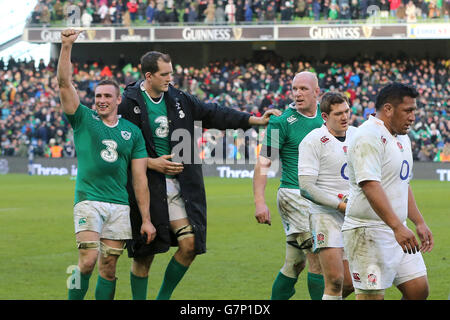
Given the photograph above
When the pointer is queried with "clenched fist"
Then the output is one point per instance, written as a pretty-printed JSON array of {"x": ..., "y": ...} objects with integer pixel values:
[{"x": 68, "y": 36}]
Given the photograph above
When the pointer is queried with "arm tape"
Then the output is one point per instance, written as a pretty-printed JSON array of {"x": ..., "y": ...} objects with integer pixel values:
[{"x": 310, "y": 191}]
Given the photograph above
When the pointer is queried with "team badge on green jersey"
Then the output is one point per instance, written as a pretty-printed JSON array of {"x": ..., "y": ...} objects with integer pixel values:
[{"x": 126, "y": 135}]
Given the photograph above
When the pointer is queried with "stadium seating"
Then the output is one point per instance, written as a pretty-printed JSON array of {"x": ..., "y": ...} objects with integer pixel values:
[
  {"x": 29, "y": 113},
  {"x": 162, "y": 12}
]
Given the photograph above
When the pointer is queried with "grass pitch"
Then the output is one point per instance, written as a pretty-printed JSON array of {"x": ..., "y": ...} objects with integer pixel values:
[{"x": 243, "y": 257}]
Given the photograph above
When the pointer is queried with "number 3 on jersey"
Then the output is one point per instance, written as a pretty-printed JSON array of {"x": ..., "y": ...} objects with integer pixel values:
[
  {"x": 109, "y": 154},
  {"x": 163, "y": 130}
]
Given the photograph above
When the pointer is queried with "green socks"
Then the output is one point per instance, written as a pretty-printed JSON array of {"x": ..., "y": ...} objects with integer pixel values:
[
  {"x": 138, "y": 287},
  {"x": 174, "y": 273},
  {"x": 79, "y": 284},
  {"x": 316, "y": 286},
  {"x": 283, "y": 287},
  {"x": 105, "y": 289}
]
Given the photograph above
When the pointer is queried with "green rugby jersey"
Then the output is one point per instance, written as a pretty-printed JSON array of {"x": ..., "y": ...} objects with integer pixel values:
[
  {"x": 104, "y": 153},
  {"x": 285, "y": 134},
  {"x": 159, "y": 124}
]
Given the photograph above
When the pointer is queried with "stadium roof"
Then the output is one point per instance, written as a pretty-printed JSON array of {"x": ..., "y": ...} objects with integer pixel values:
[{"x": 13, "y": 17}]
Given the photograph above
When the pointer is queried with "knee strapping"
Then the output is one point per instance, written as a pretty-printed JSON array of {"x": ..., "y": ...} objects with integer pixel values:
[
  {"x": 372, "y": 292},
  {"x": 110, "y": 251},
  {"x": 184, "y": 232},
  {"x": 302, "y": 241},
  {"x": 295, "y": 259},
  {"x": 88, "y": 245}
]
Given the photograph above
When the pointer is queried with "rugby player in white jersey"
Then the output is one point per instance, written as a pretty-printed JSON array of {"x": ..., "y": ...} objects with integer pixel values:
[
  {"x": 322, "y": 163},
  {"x": 381, "y": 249}
]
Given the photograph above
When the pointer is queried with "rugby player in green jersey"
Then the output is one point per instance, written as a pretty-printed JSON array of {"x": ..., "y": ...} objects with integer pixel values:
[
  {"x": 106, "y": 146},
  {"x": 281, "y": 141}
]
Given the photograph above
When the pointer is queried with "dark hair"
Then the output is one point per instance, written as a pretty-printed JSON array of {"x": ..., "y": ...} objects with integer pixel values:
[
  {"x": 149, "y": 61},
  {"x": 394, "y": 93},
  {"x": 331, "y": 98},
  {"x": 109, "y": 82}
]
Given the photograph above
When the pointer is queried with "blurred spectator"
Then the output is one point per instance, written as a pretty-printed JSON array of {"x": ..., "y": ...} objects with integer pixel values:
[
  {"x": 248, "y": 11},
  {"x": 384, "y": 9},
  {"x": 150, "y": 12},
  {"x": 220, "y": 13},
  {"x": 86, "y": 19},
  {"x": 369, "y": 110},
  {"x": 210, "y": 12},
  {"x": 68, "y": 149},
  {"x": 119, "y": 12},
  {"x": 103, "y": 11},
  {"x": 411, "y": 12},
  {"x": 230, "y": 11},
  {"x": 363, "y": 5},
  {"x": 191, "y": 13},
  {"x": 142, "y": 7},
  {"x": 444, "y": 154},
  {"x": 300, "y": 8},
  {"x": 132, "y": 9},
  {"x": 433, "y": 10},
  {"x": 36, "y": 14},
  {"x": 334, "y": 12},
  {"x": 344, "y": 10},
  {"x": 286, "y": 11},
  {"x": 394, "y": 5},
  {"x": 270, "y": 13},
  {"x": 172, "y": 15},
  {"x": 401, "y": 13},
  {"x": 316, "y": 7},
  {"x": 55, "y": 150},
  {"x": 240, "y": 11},
  {"x": 58, "y": 10},
  {"x": 422, "y": 8},
  {"x": 446, "y": 10}
]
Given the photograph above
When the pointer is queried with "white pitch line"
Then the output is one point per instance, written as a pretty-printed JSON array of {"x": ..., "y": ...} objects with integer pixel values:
[{"x": 8, "y": 209}]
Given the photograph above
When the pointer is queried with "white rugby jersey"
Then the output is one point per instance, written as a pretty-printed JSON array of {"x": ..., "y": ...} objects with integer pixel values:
[
  {"x": 321, "y": 154},
  {"x": 375, "y": 154}
]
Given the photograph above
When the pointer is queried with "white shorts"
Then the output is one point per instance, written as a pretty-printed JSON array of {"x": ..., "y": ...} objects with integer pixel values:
[
  {"x": 175, "y": 202},
  {"x": 377, "y": 261},
  {"x": 294, "y": 211},
  {"x": 326, "y": 229},
  {"x": 109, "y": 220}
]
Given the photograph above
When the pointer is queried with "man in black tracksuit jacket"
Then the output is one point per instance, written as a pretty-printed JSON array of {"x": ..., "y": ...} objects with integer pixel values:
[{"x": 182, "y": 110}]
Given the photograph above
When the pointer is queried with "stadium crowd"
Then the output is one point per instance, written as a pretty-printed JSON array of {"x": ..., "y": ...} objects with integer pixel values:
[
  {"x": 30, "y": 117},
  {"x": 144, "y": 12}
]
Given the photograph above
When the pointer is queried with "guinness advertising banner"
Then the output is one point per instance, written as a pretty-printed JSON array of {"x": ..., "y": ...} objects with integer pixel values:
[
  {"x": 54, "y": 35},
  {"x": 222, "y": 33},
  {"x": 236, "y": 33},
  {"x": 341, "y": 32}
]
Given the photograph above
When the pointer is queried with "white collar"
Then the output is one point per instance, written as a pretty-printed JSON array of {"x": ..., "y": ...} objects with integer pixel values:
[{"x": 151, "y": 99}]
